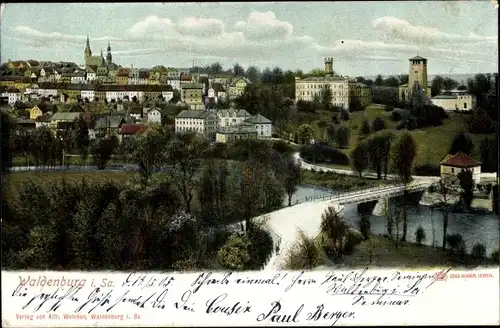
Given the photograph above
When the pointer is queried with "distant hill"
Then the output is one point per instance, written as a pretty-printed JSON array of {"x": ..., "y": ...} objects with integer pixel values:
[{"x": 456, "y": 77}]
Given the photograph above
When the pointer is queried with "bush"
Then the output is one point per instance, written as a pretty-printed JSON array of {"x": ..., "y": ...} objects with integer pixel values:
[
  {"x": 364, "y": 226},
  {"x": 389, "y": 108},
  {"x": 260, "y": 248},
  {"x": 378, "y": 124},
  {"x": 420, "y": 235},
  {"x": 427, "y": 170},
  {"x": 234, "y": 254},
  {"x": 456, "y": 243},
  {"x": 478, "y": 251},
  {"x": 495, "y": 255},
  {"x": 345, "y": 115},
  {"x": 432, "y": 188},
  {"x": 321, "y": 153},
  {"x": 352, "y": 239},
  {"x": 304, "y": 254},
  {"x": 396, "y": 116}
]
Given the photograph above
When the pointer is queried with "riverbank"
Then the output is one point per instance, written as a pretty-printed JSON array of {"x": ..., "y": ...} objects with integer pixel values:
[
  {"x": 341, "y": 182},
  {"x": 379, "y": 251},
  {"x": 479, "y": 204}
]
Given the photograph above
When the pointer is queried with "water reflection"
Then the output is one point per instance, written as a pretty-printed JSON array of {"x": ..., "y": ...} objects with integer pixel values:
[{"x": 482, "y": 228}]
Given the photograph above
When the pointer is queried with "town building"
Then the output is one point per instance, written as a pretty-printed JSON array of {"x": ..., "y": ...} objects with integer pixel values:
[
  {"x": 416, "y": 74},
  {"x": 228, "y": 117},
  {"x": 154, "y": 116},
  {"x": 457, "y": 102},
  {"x": 10, "y": 95},
  {"x": 239, "y": 131},
  {"x": 346, "y": 93},
  {"x": 452, "y": 165},
  {"x": 203, "y": 122},
  {"x": 263, "y": 126},
  {"x": 192, "y": 95},
  {"x": 237, "y": 88}
]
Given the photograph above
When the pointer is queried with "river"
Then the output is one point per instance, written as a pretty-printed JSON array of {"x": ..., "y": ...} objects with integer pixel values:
[{"x": 482, "y": 228}]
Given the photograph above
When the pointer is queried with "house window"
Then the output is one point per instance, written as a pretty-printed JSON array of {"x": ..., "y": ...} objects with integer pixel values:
[
  {"x": 465, "y": 105},
  {"x": 452, "y": 170}
]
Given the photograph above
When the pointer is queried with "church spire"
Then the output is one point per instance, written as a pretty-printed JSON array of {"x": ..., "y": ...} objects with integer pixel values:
[{"x": 88, "y": 52}]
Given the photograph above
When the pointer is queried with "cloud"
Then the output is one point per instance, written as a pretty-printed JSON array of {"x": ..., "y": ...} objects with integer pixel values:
[
  {"x": 152, "y": 25},
  {"x": 200, "y": 27},
  {"x": 46, "y": 40},
  {"x": 264, "y": 26},
  {"x": 396, "y": 28}
]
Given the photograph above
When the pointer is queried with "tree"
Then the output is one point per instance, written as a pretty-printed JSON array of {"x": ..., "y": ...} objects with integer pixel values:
[
  {"x": 82, "y": 138},
  {"x": 365, "y": 128},
  {"x": 378, "y": 124},
  {"x": 467, "y": 184},
  {"x": 305, "y": 133},
  {"x": 184, "y": 153},
  {"x": 326, "y": 97},
  {"x": 480, "y": 122},
  {"x": 360, "y": 158},
  {"x": 214, "y": 191},
  {"x": 175, "y": 99},
  {"x": 444, "y": 189},
  {"x": 376, "y": 151},
  {"x": 322, "y": 125},
  {"x": 292, "y": 178},
  {"x": 449, "y": 84},
  {"x": 238, "y": 70},
  {"x": 253, "y": 74},
  {"x": 330, "y": 132},
  {"x": 335, "y": 229},
  {"x": 404, "y": 153},
  {"x": 436, "y": 85},
  {"x": 461, "y": 142},
  {"x": 419, "y": 101},
  {"x": 379, "y": 81},
  {"x": 149, "y": 151},
  {"x": 342, "y": 136},
  {"x": 489, "y": 154},
  {"x": 391, "y": 81},
  {"x": 103, "y": 149}
]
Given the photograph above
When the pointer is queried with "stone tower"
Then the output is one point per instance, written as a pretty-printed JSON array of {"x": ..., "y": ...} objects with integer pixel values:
[
  {"x": 418, "y": 72},
  {"x": 109, "y": 58},
  {"x": 87, "y": 53},
  {"x": 328, "y": 66}
]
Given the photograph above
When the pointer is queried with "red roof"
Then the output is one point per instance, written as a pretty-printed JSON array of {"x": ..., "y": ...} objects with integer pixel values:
[
  {"x": 461, "y": 159},
  {"x": 132, "y": 128}
]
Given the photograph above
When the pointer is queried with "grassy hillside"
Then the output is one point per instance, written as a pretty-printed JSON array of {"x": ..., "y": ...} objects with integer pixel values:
[{"x": 432, "y": 143}]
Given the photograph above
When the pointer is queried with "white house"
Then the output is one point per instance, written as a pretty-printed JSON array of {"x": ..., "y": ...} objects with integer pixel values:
[
  {"x": 263, "y": 126},
  {"x": 48, "y": 90},
  {"x": 227, "y": 117},
  {"x": 167, "y": 95},
  {"x": 89, "y": 94},
  {"x": 12, "y": 95},
  {"x": 175, "y": 83},
  {"x": 203, "y": 122},
  {"x": 462, "y": 102},
  {"x": 154, "y": 116},
  {"x": 91, "y": 75},
  {"x": 78, "y": 77},
  {"x": 452, "y": 165}
]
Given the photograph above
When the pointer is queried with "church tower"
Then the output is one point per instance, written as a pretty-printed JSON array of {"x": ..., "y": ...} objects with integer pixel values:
[
  {"x": 109, "y": 58},
  {"x": 87, "y": 53}
]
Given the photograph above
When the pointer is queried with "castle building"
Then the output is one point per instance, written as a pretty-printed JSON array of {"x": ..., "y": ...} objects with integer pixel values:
[
  {"x": 417, "y": 74},
  {"x": 347, "y": 93}
]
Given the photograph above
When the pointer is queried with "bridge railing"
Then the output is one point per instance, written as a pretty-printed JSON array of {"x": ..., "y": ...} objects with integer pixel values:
[{"x": 368, "y": 193}]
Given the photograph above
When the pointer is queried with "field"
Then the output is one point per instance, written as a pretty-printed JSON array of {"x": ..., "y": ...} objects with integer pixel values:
[
  {"x": 69, "y": 160},
  {"x": 14, "y": 182},
  {"x": 410, "y": 255},
  {"x": 432, "y": 143}
]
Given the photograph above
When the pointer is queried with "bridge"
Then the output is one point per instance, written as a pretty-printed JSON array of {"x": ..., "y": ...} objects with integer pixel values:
[{"x": 372, "y": 194}]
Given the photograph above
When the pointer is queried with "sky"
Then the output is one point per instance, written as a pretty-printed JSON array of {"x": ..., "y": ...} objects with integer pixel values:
[{"x": 363, "y": 38}]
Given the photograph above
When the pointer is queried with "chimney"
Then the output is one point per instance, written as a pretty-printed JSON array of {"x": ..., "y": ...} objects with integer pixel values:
[{"x": 329, "y": 66}]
